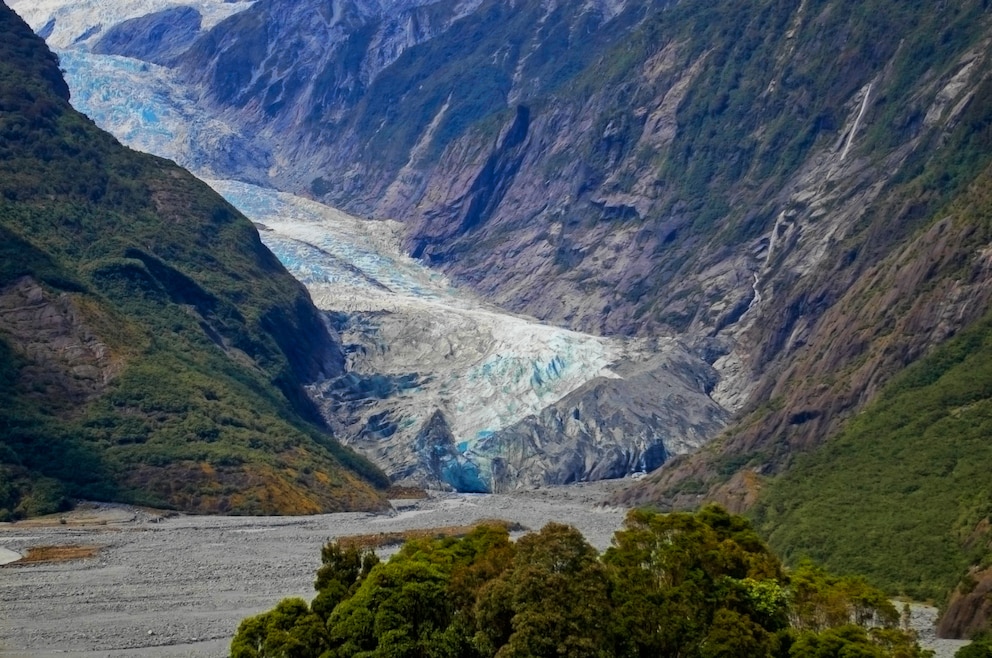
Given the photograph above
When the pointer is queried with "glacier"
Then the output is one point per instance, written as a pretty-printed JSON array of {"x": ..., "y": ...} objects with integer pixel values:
[
  {"x": 481, "y": 368},
  {"x": 442, "y": 389}
]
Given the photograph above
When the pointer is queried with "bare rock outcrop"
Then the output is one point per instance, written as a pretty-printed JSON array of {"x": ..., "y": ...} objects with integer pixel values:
[
  {"x": 970, "y": 609},
  {"x": 64, "y": 358}
]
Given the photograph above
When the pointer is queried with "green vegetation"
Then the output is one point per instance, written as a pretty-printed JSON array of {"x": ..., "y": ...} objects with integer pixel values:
[
  {"x": 981, "y": 647},
  {"x": 693, "y": 585},
  {"x": 901, "y": 492},
  {"x": 151, "y": 349}
]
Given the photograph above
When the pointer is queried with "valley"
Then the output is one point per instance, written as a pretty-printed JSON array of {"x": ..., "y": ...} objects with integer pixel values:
[
  {"x": 174, "y": 585},
  {"x": 442, "y": 389},
  {"x": 673, "y": 253}
]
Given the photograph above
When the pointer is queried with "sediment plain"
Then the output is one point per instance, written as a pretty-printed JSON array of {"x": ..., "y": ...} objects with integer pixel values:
[
  {"x": 168, "y": 585},
  {"x": 175, "y": 585}
]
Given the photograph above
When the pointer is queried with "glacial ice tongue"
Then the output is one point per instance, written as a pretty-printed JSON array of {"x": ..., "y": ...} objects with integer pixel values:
[
  {"x": 481, "y": 369},
  {"x": 144, "y": 106}
]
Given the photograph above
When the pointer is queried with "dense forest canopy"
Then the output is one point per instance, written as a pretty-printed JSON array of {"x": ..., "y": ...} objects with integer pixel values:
[{"x": 690, "y": 585}]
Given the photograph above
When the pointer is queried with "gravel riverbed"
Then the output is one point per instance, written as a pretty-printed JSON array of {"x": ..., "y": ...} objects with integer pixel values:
[{"x": 178, "y": 586}]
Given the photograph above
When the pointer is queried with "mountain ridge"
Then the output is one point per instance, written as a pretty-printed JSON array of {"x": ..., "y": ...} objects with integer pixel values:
[{"x": 151, "y": 342}]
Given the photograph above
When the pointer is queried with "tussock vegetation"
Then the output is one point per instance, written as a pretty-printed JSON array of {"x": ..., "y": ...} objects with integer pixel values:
[
  {"x": 58, "y": 553},
  {"x": 396, "y": 492}
]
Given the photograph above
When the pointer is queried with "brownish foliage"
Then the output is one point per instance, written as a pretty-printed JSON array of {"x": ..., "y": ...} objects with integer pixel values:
[
  {"x": 396, "y": 492},
  {"x": 380, "y": 539},
  {"x": 58, "y": 553}
]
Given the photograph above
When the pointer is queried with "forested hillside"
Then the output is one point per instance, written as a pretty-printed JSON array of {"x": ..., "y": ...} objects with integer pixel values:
[
  {"x": 151, "y": 349},
  {"x": 902, "y": 494}
]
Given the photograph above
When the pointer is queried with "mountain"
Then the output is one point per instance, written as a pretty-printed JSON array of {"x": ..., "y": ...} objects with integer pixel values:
[
  {"x": 495, "y": 400},
  {"x": 719, "y": 172},
  {"x": 153, "y": 350},
  {"x": 766, "y": 181},
  {"x": 793, "y": 190}
]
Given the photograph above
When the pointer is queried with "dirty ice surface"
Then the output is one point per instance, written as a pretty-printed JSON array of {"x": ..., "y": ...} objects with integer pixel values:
[{"x": 483, "y": 369}]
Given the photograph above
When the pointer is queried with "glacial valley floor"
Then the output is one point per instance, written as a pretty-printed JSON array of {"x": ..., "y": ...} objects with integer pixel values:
[
  {"x": 171, "y": 586},
  {"x": 176, "y": 586}
]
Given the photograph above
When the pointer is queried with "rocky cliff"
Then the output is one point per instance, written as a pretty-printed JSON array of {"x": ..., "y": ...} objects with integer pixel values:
[{"x": 731, "y": 174}]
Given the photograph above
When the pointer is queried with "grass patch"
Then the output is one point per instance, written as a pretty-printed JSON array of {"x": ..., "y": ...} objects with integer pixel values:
[{"x": 396, "y": 492}]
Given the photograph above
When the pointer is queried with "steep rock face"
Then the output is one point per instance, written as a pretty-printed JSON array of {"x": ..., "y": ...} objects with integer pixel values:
[
  {"x": 69, "y": 365},
  {"x": 296, "y": 69},
  {"x": 614, "y": 427},
  {"x": 732, "y": 174},
  {"x": 159, "y": 37},
  {"x": 970, "y": 608},
  {"x": 875, "y": 320},
  {"x": 152, "y": 348}
]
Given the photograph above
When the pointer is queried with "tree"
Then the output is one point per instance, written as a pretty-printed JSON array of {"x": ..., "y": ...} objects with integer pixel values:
[
  {"x": 686, "y": 583},
  {"x": 421, "y": 602},
  {"x": 340, "y": 572},
  {"x": 820, "y": 600},
  {"x": 981, "y": 647},
  {"x": 290, "y": 630},
  {"x": 553, "y": 602},
  {"x": 396, "y": 611}
]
